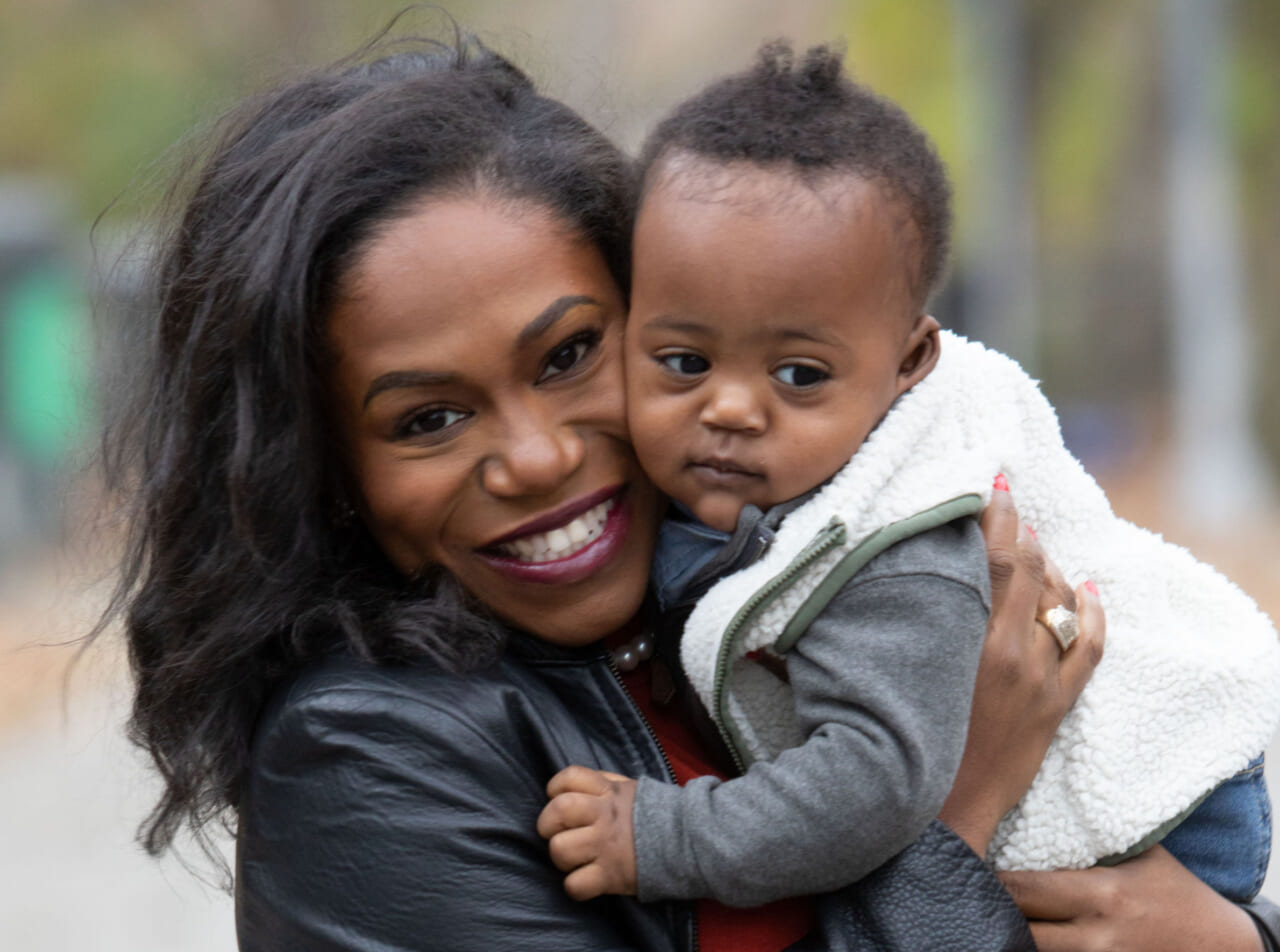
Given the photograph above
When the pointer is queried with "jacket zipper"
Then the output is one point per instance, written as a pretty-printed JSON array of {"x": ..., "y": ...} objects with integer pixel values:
[
  {"x": 671, "y": 771},
  {"x": 617, "y": 676},
  {"x": 831, "y": 535}
]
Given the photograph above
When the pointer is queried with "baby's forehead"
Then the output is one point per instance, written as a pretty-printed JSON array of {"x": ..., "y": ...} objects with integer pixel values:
[
  {"x": 829, "y": 214},
  {"x": 776, "y": 188}
]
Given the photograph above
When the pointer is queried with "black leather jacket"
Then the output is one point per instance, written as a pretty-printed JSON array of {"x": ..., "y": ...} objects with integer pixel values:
[{"x": 393, "y": 808}]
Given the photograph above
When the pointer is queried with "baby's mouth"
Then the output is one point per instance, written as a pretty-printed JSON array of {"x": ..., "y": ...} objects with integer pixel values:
[
  {"x": 563, "y": 541},
  {"x": 719, "y": 466}
]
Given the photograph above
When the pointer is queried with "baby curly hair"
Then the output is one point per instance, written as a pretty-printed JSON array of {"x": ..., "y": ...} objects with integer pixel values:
[{"x": 806, "y": 115}]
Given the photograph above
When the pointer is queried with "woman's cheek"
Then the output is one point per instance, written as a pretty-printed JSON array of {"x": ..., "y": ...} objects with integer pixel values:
[
  {"x": 606, "y": 398},
  {"x": 406, "y": 502}
]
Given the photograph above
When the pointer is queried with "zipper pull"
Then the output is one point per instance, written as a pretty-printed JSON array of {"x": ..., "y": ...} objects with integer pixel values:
[{"x": 662, "y": 687}]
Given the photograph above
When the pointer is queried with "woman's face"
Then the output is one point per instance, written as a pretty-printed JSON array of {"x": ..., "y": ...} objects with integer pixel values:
[{"x": 479, "y": 397}]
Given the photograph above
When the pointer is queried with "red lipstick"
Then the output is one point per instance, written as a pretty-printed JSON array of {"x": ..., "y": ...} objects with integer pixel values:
[
  {"x": 559, "y": 516},
  {"x": 581, "y": 564}
]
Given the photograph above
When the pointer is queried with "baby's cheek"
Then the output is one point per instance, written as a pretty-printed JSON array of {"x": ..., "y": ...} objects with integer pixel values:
[{"x": 655, "y": 440}]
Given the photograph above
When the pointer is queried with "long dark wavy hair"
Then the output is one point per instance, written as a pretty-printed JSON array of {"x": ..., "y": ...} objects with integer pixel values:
[{"x": 244, "y": 558}]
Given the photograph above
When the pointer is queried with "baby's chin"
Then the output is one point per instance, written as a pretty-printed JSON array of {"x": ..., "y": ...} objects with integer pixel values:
[{"x": 719, "y": 512}]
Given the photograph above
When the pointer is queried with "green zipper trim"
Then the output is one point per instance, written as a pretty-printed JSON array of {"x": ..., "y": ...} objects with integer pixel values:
[
  {"x": 866, "y": 550},
  {"x": 832, "y": 535}
]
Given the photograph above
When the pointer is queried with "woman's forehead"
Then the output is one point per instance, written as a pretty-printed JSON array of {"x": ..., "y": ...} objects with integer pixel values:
[
  {"x": 455, "y": 236},
  {"x": 462, "y": 273}
]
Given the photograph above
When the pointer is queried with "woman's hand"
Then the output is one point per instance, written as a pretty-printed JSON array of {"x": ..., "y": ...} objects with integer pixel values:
[
  {"x": 1025, "y": 683},
  {"x": 1151, "y": 903}
]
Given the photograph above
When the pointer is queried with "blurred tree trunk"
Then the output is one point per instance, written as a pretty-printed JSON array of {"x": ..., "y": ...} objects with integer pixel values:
[
  {"x": 1220, "y": 476},
  {"x": 998, "y": 267}
]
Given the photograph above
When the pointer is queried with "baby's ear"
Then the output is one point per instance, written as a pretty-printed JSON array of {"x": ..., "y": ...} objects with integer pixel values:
[{"x": 919, "y": 352}]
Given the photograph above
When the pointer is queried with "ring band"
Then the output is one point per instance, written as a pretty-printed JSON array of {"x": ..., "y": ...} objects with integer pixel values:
[{"x": 1063, "y": 623}]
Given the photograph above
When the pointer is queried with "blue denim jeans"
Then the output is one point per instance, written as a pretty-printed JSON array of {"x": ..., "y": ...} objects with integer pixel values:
[{"x": 1226, "y": 841}]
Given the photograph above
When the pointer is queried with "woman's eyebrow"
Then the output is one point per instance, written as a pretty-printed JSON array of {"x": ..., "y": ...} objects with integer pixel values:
[
  {"x": 550, "y": 314},
  {"x": 402, "y": 379}
]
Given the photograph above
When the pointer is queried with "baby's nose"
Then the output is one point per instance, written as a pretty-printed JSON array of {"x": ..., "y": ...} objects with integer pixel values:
[{"x": 735, "y": 406}]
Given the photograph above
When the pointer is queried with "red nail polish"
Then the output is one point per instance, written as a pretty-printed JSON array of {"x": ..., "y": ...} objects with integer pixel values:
[
  {"x": 1031, "y": 532},
  {"x": 1093, "y": 589},
  {"x": 1001, "y": 484}
]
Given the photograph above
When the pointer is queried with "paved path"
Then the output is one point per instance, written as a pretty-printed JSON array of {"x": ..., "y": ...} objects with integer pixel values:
[{"x": 71, "y": 878}]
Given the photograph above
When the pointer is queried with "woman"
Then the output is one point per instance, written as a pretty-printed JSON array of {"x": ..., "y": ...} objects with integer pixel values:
[{"x": 387, "y": 511}]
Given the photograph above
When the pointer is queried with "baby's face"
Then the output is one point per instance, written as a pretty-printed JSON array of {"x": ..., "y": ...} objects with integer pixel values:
[{"x": 770, "y": 330}]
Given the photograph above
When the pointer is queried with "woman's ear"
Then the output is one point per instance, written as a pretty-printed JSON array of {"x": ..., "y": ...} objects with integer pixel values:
[{"x": 919, "y": 352}]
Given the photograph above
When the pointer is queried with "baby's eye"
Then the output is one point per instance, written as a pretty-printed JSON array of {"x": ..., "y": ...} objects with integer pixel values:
[
  {"x": 800, "y": 375},
  {"x": 429, "y": 422},
  {"x": 567, "y": 356},
  {"x": 686, "y": 365}
]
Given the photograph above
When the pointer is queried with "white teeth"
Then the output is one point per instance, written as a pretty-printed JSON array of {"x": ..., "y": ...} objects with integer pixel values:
[{"x": 564, "y": 541}]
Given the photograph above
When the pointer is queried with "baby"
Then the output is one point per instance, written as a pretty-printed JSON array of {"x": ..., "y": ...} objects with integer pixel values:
[{"x": 826, "y": 449}]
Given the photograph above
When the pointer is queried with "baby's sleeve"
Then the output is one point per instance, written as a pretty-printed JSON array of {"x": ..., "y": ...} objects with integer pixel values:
[{"x": 883, "y": 682}]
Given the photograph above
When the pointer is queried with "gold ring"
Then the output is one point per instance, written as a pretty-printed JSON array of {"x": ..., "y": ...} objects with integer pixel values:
[{"x": 1063, "y": 623}]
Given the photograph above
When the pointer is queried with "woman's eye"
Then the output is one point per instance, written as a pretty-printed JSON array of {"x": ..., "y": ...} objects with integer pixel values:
[
  {"x": 429, "y": 422},
  {"x": 568, "y": 355},
  {"x": 800, "y": 375},
  {"x": 686, "y": 365}
]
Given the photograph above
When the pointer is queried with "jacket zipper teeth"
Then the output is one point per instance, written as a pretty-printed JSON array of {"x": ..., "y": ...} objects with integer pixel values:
[
  {"x": 617, "y": 676},
  {"x": 671, "y": 771},
  {"x": 832, "y": 535}
]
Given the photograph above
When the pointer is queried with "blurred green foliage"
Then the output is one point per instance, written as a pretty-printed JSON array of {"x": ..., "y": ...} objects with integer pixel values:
[
  {"x": 45, "y": 405},
  {"x": 92, "y": 91}
]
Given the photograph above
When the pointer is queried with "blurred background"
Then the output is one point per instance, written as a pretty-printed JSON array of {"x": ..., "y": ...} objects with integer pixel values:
[{"x": 1117, "y": 167}]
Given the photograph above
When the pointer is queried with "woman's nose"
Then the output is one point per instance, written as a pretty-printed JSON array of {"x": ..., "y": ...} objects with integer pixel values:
[
  {"x": 538, "y": 455},
  {"x": 734, "y": 406}
]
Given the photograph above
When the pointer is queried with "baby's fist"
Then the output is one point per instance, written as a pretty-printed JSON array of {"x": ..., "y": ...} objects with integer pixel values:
[{"x": 588, "y": 827}]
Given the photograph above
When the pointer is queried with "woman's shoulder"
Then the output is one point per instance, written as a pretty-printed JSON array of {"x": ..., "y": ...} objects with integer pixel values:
[
  {"x": 345, "y": 736},
  {"x": 369, "y": 699},
  {"x": 343, "y": 678},
  {"x": 524, "y": 716},
  {"x": 396, "y": 806}
]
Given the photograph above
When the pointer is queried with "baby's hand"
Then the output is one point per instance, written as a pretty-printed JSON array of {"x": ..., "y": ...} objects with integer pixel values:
[{"x": 588, "y": 824}]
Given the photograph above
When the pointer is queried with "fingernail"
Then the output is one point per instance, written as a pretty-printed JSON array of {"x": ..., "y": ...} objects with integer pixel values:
[
  {"x": 1093, "y": 589},
  {"x": 1031, "y": 532},
  {"x": 1001, "y": 484}
]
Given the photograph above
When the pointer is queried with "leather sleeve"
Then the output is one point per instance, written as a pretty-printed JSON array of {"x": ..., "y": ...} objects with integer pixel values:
[
  {"x": 935, "y": 894},
  {"x": 386, "y": 821},
  {"x": 1266, "y": 917}
]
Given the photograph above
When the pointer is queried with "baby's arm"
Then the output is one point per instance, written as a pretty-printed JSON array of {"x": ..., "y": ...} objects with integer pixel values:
[{"x": 883, "y": 680}]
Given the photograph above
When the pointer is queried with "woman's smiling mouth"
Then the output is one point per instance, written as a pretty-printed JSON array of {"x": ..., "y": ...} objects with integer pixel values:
[
  {"x": 567, "y": 544},
  {"x": 564, "y": 541}
]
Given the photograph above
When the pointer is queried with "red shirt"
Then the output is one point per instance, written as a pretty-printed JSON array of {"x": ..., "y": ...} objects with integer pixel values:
[{"x": 721, "y": 928}]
